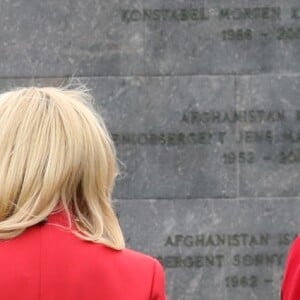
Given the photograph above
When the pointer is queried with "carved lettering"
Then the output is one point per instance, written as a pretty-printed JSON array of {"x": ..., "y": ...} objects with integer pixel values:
[
  {"x": 291, "y": 136},
  {"x": 169, "y": 138},
  {"x": 258, "y": 259},
  {"x": 286, "y": 238},
  {"x": 290, "y": 157},
  {"x": 243, "y": 116},
  {"x": 217, "y": 240},
  {"x": 253, "y": 13},
  {"x": 147, "y": 15},
  {"x": 237, "y": 34},
  {"x": 203, "y": 14},
  {"x": 288, "y": 33},
  {"x": 237, "y": 281},
  {"x": 251, "y": 137},
  {"x": 295, "y": 13},
  {"x": 194, "y": 261}
]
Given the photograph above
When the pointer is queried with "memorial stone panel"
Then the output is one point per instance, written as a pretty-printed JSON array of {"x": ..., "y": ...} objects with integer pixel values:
[
  {"x": 215, "y": 249},
  {"x": 217, "y": 37},
  {"x": 136, "y": 37},
  {"x": 169, "y": 154},
  {"x": 274, "y": 141},
  {"x": 68, "y": 38}
]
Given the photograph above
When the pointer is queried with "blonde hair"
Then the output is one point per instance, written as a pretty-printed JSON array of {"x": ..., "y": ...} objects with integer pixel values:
[{"x": 56, "y": 149}]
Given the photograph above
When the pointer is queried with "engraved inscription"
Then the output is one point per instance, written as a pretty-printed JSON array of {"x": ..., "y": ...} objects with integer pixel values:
[
  {"x": 203, "y": 14},
  {"x": 233, "y": 34},
  {"x": 244, "y": 116},
  {"x": 193, "y": 14},
  {"x": 169, "y": 138},
  {"x": 252, "y": 13},
  {"x": 206, "y": 136},
  {"x": 241, "y": 250},
  {"x": 208, "y": 240}
]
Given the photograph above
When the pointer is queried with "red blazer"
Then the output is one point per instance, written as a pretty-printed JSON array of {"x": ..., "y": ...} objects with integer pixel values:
[
  {"x": 290, "y": 288},
  {"x": 47, "y": 262}
]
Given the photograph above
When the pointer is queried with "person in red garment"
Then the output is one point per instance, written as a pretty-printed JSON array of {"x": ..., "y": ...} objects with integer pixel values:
[
  {"x": 290, "y": 287},
  {"x": 59, "y": 235}
]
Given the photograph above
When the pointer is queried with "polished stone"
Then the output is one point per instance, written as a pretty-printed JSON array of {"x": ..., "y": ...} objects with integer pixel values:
[
  {"x": 275, "y": 172},
  {"x": 214, "y": 249},
  {"x": 134, "y": 37},
  {"x": 230, "y": 37},
  {"x": 166, "y": 154},
  {"x": 68, "y": 38}
]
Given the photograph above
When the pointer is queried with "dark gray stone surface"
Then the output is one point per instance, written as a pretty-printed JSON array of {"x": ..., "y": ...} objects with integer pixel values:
[
  {"x": 166, "y": 156},
  {"x": 238, "y": 37},
  {"x": 275, "y": 172},
  {"x": 215, "y": 249},
  {"x": 135, "y": 37},
  {"x": 68, "y": 38}
]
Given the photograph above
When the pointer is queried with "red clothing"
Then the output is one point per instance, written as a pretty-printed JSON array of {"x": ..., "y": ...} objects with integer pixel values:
[
  {"x": 290, "y": 289},
  {"x": 47, "y": 262}
]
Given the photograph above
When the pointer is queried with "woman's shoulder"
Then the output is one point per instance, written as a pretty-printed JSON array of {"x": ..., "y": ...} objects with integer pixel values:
[
  {"x": 147, "y": 268},
  {"x": 133, "y": 256},
  {"x": 135, "y": 260}
]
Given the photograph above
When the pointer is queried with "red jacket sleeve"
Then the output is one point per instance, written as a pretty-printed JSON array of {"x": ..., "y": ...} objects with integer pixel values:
[
  {"x": 158, "y": 283},
  {"x": 290, "y": 288}
]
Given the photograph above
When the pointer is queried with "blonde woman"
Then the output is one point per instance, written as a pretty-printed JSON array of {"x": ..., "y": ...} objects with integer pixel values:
[{"x": 59, "y": 235}]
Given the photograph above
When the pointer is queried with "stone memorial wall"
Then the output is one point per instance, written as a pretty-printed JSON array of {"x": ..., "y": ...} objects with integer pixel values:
[{"x": 202, "y": 99}]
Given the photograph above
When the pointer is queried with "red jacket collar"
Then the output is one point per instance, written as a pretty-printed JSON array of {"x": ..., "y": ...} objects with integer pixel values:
[{"x": 60, "y": 217}]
